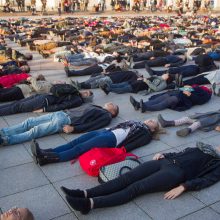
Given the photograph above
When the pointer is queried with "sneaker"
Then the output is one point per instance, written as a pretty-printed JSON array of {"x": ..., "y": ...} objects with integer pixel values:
[
  {"x": 135, "y": 104},
  {"x": 105, "y": 89},
  {"x": 142, "y": 106},
  {"x": 183, "y": 132}
]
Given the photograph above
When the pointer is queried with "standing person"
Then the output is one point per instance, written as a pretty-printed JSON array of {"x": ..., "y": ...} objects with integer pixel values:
[
  {"x": 86, "y": 2},
  {"x": 44, "y": 5},
  {"x": 59, "y": 7},
  {"x": 113, "y": 4},
  {"x": 33, "y": 6},
  {"x": 19, "y": 5}
]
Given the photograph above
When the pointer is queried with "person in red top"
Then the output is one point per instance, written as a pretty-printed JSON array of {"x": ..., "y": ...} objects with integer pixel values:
[{"x": 9, "y": 80}]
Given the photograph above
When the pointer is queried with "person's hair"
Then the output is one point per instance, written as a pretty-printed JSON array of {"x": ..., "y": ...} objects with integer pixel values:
[
  {"x": 116, "y": 111},
  {"x": 29, "y": 215},
  {"x": 169, "y": 79},
  {"x": 40, "y": 77},
  {"x": 157, "y": 131}
]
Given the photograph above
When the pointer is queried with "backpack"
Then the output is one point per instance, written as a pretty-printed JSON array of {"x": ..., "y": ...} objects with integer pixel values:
[
  {"x": 96, "y": 158},
  {"x": 110, "y": 172},
  {"x": 60, "y": 90}
]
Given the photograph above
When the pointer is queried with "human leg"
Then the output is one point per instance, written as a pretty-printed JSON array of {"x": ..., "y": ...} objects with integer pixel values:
[
  {"x": 53, "y": 124},
  {"x": 10, "y": 94},
  {"x": 101, "y": 139}
]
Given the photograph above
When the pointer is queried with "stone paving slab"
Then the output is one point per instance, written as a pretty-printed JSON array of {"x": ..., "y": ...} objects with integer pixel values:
[{"x": 23, "y": 183}]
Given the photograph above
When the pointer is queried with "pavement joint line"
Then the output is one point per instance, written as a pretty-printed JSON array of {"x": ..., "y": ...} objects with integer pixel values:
[
  {"x": 142, "y": 209},
  {"x": 24, "y": 190}
]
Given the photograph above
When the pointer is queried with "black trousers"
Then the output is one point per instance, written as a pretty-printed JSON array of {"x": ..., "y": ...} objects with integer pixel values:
[
  {"x": 10, "y": 94},
  {"x": 160, "y": 61},
  {"x": 88, "y": 71},
  {"x": 199, "y": 80},
  {"x": 149, "y": 177}
]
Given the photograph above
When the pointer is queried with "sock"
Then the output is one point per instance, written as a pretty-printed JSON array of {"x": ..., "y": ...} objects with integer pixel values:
[
  {"x": 195, "y": 126},
  {"x": 182, "y": 121},
  {"x": 73, "y": 192},
  {"x": 79, "y": 204}
]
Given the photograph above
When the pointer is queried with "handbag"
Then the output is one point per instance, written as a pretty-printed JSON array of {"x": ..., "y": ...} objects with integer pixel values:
[{"x": 110, "y": 172}]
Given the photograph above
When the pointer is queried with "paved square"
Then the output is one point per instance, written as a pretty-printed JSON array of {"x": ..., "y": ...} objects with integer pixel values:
[{"x": 24, "y": 184}]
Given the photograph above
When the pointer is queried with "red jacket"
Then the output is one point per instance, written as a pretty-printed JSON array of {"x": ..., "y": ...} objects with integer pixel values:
[{"x": 8, "y": 81}]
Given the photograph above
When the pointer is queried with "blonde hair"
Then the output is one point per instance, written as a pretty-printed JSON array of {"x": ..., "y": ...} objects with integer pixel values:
[{"x": 157, "y": 131}]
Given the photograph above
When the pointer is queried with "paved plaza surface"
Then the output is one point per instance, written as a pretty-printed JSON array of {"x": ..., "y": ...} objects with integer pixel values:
[{"x": 25, "y": 184}]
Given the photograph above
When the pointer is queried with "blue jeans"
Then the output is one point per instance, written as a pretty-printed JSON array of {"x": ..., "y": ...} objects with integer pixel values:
[
  {"x": 160, "y": 103},
  {"x": 73, "y": 57},
  {"x": 82, "y": 144},
  {"x": 120, "y": 88},
  {"x": 35, "y": 127}
]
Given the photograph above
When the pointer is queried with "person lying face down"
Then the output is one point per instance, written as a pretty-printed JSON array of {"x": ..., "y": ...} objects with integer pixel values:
[
  {"x": 130, "y": 134},
  {"x": 188, "y": 170},
  {"x": 87, "y": 117},
  {"x": 17, "y": 214}
]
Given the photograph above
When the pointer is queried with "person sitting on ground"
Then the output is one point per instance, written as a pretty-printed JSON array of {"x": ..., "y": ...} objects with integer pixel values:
[
  {"x": 17, "y": 214},
  {"x": 130, "y": 134},
  {"x": 85, "y": 118},
  {"x": 151, "y": 84},
  {"x": 189, "y": 170},
  {"x": 204, "y": 121},
  {"x": 46, "y": 103},
  {"x": 179, "y": 100}
]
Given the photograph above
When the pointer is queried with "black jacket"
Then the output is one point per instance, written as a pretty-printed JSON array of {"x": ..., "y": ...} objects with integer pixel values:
[
  {"x": 209, "y": 175},
  {"x": 140, "y": 137},
  {"x": 92, "y": 117},
  {"x": 61, "y": 103}
]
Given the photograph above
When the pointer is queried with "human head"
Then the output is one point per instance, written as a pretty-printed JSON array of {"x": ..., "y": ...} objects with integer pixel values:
[
  {"x": 17, "y": 214},
  {"x": 25, "y": 68},
  {"x": 112, "y": 108},
  {"x": 152, "y": 124},
  {"x": 86, "y": 93},
  {"x": 167, "y": 77},
  {"x": 40, "y": 77}
]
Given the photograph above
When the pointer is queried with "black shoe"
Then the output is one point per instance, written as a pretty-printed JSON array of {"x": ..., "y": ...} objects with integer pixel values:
[
  {"x": 149, "y": 70},
  {"x": 134, "y": 103},
  {"x": 35, "y": 150},
  {"x": 104, "y": 88},
  {"x": 165, "y": 123},
  {"x": 79, "y": 204},
  {"x": 42, "y": 157},
  {"x": 72, "y": 192},
  {"x": 179, "y": 80},
  {"x": 183, "y": 132},
  {"x": 142, "y": 106},
  {"x": 67, "y": 70}
]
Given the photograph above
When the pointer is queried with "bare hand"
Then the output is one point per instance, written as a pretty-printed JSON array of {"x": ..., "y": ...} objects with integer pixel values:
[
  {"x": 38, "y": 111},
  {"x": 29, "y": 78},
  {"x": 152, "y": 58},
  {"x": 68, "y": 129},
  {"x": 187, "y": 93},
  {"x": 167, "y": 65},
  {"x": 173, "y": 193},
  {"x": 217, "y": 128},
  {"x": 158, "y": 156},
  {"x": 140, "y": 78}
]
